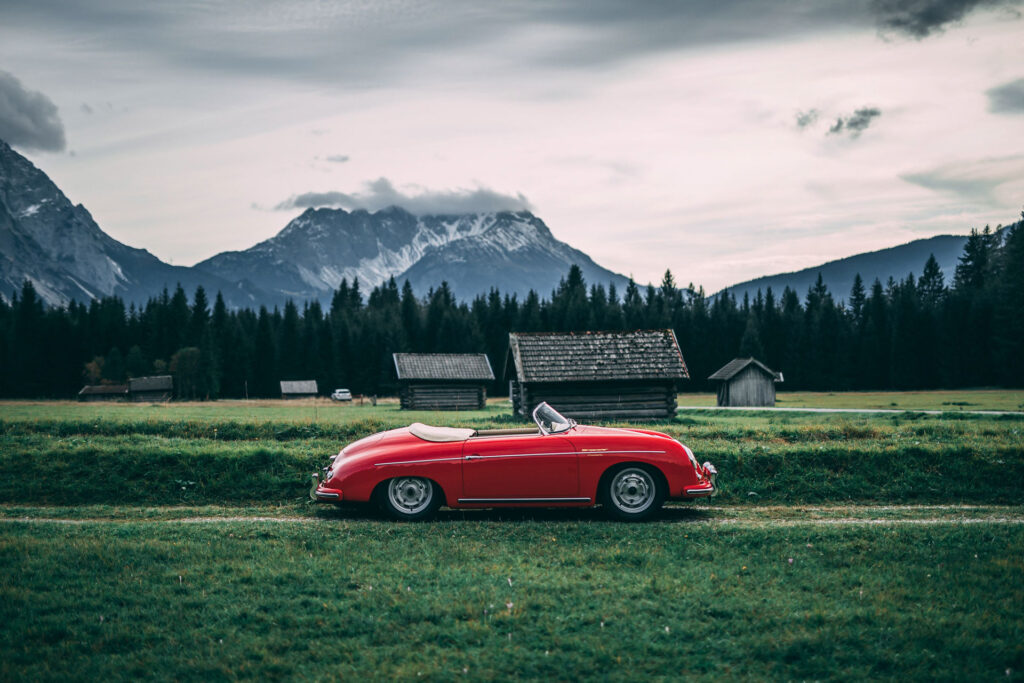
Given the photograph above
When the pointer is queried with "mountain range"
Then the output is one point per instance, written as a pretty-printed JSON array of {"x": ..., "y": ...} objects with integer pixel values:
[
  {"x": 58, "y": 246},
  {"x": 513, "y": 251},
  {"x": 838, "y": 275}
]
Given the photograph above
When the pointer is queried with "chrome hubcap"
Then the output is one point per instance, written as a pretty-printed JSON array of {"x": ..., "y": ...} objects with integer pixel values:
[
  {"x": 632, "y": 490},
  {"x": 410, "y": 494}
]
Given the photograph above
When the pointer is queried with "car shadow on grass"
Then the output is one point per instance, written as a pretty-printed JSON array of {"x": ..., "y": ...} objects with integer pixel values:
[{"x": 675, "y": 514}]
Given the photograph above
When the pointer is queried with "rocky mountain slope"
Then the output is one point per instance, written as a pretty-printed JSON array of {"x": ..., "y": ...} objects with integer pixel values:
[{"x": 58, "y": 246}]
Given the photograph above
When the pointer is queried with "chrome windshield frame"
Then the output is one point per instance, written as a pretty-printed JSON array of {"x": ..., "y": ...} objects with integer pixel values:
[{"x": 569, "y": 423}]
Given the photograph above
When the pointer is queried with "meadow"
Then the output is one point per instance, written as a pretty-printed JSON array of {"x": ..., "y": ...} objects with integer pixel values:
[{"x": 177, "y": 542}]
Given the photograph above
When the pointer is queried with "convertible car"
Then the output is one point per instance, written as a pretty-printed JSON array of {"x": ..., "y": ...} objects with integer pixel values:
[{"x": 411, "y": 472}]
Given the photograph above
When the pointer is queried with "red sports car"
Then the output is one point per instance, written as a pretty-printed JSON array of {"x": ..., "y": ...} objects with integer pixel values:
[{"x": 411, "y": 472}]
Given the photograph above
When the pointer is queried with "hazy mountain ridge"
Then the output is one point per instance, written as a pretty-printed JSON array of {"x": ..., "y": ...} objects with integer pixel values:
[{"x": 838, "y": 275}]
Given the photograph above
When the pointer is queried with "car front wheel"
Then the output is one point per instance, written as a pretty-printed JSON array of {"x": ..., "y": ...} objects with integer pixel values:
[
  {"x": 410, "y": 498},
  {"x": 633, "y": 493}
]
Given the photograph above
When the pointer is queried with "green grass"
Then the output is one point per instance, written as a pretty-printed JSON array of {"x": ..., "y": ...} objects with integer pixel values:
[
  {"x": 958, "y": 400},
  {"x": 306, "y": 411},
  {"x": 130, "y": 547},
  {"x": 323, "y": 411},
  {"x": 763, "y": 458},
  {"x": 557, "y": 598}
]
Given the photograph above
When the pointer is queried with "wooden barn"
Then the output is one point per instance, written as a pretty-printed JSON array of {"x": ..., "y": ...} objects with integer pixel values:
[
  {"x": 155, "y": 389},
  {"x": 303, "y": 388},
  {"x": 746, "y": 382},
  {"x": 602, "y": 375},
  {"x": 92, "y": 393},
  {"x": 443, "y": 381}
]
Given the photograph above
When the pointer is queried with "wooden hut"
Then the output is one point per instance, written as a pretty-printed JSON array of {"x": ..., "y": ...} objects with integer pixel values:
[
  {"x": 92, "y": 393},
  {"x": 303, "y": 388},
  {"x": 443, "y": 381},
  {"x": 603, "y": 375},
  {"x": 746, "y": 382},
  {"x": 154, "y": 389}
]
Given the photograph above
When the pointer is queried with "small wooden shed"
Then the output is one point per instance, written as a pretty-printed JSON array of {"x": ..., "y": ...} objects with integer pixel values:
[
  {"x": 154, "y": 389},
  {"x": 603, "y": 375},
  {"x": 303, "y": 388},
  {"x": 443, "y": 381},
  {"x": 746, "y": 382},
  {"x": 92, "y": 393}
]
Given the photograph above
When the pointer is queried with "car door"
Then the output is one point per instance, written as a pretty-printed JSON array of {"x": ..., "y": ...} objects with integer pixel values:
[{"x": 518, "y": 469}]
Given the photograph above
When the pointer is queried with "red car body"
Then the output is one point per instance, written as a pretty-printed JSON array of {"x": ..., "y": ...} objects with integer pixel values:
[{"x": 512, "y": 468}]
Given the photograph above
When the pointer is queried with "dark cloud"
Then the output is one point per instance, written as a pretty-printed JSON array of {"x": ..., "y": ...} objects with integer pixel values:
[
  {"x": 856, "y": 123},
  {"x": 373, "y": 43},
  {"x": 337, "y": 158},
  {"x": 921, "y": 18},
  {"x": 806, "y": 118},
  {"x": 381, "y": 194},
  {"x": 28, "y": 119},
  {"x": 1007, "y": 98}
]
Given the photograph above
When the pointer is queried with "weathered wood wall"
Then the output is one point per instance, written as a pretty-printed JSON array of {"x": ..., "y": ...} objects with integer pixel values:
[
  {"x": 598, "y": 400},
  {"x": 426, "y": 396},
  {"x": 749, "y": 387},
  {"x": 151, "y": 396}
]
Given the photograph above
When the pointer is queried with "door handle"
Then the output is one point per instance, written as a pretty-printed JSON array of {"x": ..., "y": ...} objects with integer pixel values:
[{"x": 475, "y": 456}]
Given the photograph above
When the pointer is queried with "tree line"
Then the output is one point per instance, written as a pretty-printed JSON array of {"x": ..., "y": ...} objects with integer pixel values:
[{"x": 918, "y": 332}]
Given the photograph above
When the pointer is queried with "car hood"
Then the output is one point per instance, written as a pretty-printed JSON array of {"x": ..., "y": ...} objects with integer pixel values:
[{"x": 591, "y": 431}]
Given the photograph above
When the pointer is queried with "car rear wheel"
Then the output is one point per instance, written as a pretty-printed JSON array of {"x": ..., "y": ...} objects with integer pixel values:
[
  {"x": 410, "y": 498},
  {"x": 633, "y": 493}
]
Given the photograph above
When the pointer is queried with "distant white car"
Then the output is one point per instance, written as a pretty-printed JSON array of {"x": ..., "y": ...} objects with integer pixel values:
[{"x": 342, "y": 395}]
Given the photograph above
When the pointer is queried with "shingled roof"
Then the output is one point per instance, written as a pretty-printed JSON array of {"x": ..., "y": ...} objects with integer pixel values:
[
  {"x": 302, "y": 386},
  {"x": 152, "y": 383},
  {"x": 450, "y": 366},
  {"x": 597, "y": 356},
  {"x": 733, "y": 367}
]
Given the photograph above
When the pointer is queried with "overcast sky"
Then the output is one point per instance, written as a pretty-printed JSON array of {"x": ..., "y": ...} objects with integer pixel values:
[{"x": 724, "y": 139}]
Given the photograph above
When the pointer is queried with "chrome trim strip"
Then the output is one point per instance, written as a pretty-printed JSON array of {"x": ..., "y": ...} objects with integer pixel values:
[
  {"x": 414, "y": 462},
  {"x": 524, "y": 500},
  {"x": 527, "y": 455},
  {"x": 513, "y": 455},
  {"x": 322, "y": 494},
  {"x": 503, "y": 455}
]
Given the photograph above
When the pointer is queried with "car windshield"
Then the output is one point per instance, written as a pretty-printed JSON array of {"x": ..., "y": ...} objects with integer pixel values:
[{"x": 550, "y": 420}]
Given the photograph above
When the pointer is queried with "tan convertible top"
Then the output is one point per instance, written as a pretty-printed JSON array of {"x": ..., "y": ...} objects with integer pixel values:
[{"x": 440, "y": 434}]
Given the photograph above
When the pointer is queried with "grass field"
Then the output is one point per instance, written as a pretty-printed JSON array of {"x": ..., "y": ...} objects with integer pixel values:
[
  {"x": 176, "y": 542},
  {"x": 974, "y": 399}
]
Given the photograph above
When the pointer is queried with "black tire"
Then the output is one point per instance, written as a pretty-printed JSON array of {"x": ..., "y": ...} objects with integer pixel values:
[
  {"x": 632, "y": 493},
  {"x": 409, "y": 499}
]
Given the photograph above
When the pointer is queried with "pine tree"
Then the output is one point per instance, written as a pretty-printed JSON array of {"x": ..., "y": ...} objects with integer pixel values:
[
  {"x": 931, "y": 287},
  {"x": 750, "y": 344},
  {"x": 1009, "y": 308},
  {"x": 857, "y": 299}
]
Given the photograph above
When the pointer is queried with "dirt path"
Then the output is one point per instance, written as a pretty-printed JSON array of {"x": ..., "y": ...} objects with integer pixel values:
[{"x": 750, "y": 516}]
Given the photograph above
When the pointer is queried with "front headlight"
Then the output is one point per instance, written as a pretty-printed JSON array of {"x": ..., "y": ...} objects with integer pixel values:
[{"x": 692, "y": 457}]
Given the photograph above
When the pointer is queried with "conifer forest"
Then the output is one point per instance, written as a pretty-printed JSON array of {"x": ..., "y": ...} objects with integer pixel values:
[{"x": 916, "y": 332}]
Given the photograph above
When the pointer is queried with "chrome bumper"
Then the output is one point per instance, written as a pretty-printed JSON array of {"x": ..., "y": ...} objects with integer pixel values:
[
  {"x": 712, "y": 474},
  {"x": 702, "y": 490},
  {"x": 318, "y": 496}
]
